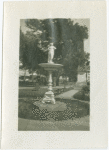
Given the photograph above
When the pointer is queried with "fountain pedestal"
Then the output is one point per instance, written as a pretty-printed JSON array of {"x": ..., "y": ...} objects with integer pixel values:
[{"x": 49, "y": 95}]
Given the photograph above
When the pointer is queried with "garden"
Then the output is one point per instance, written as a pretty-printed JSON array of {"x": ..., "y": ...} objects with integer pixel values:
[
  {"x": 45, "y": 59},
  {"x": 27, "y": 109}
]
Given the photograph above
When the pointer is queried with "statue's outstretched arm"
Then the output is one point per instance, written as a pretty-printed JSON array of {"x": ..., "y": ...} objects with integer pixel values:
[{"x": 44, "y": 49}]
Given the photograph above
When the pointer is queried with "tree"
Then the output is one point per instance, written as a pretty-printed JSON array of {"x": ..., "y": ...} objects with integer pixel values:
[
  {"x": 30, "y": 52},
  {"x": 66, "y": 36},
  {"x": 23, "y": 55}
]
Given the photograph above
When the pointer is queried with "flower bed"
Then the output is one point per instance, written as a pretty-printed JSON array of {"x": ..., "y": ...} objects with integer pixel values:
[{"x": 74, "y": 109}]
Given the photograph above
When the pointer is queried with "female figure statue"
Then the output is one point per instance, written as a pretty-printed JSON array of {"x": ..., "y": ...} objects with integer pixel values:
[{"x": 51, "y": 49}]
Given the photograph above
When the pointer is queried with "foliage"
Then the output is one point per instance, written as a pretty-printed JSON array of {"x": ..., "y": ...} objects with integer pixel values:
[
  {"x": 23, "y": 48},
  {"x": 83, "y": 94},
  {"x": 86, "y": 88},
  {"x": 30, "y": 52},
  {"x": 67, "y": 37}
]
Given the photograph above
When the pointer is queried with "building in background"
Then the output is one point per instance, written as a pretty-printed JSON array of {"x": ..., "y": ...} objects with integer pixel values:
[{"x": 83, "y": 73}]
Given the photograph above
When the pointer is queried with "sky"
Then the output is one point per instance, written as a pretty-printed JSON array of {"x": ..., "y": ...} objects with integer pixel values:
[{"x": 83, "y": 22}]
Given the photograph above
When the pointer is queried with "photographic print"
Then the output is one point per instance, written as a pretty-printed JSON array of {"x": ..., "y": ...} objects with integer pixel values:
[
  {"x": 54, "y": 75},
  {"x": 54, "y": 93}
]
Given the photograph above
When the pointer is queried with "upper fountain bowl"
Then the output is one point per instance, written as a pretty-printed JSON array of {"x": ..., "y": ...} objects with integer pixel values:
[{"x": 50, "y": 66}]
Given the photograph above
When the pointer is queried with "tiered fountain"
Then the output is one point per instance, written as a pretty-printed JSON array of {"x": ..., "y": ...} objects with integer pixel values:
[
  {"x": 47, "y": 108},
  {"x": 48, "y": 101},
  {"x": 50, "y": 67}
]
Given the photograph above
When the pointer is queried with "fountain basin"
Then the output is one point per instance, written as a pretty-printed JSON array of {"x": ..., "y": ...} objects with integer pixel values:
[{"x": 50, "y": 66}]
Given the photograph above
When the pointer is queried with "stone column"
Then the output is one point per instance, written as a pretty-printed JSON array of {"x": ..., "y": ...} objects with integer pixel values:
[
  {"x": 49, "y": 95},
  {"x": 50, "y": 81}
]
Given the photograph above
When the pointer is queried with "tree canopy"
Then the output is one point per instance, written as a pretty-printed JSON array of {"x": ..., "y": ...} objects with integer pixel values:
[{"x": 68, "y": 38}]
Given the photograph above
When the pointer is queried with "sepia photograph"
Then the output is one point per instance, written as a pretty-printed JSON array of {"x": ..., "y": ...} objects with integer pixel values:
[
  {"x": 54, "y": 75},
  {"x": 54, "y": 80}
]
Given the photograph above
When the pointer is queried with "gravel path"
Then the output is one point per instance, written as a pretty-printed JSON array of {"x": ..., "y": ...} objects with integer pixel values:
[{"x": 67, "y": 95}]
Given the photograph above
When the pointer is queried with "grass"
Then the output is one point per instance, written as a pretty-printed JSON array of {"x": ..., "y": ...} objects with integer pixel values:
[
  {"x": 32, "y": 93},
  {"x": 40, "y": 93}
]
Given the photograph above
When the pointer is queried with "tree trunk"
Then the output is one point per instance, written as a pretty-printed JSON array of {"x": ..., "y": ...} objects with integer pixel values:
[
  {"x": 70, "y": 79},
  {"x": 54, "y": 81},
  {"x": 86, "y": 77},
  {"x": 32, "y": 75},
  {"x": 57, "y": 81},
  {"x": 24, "y": 74}
]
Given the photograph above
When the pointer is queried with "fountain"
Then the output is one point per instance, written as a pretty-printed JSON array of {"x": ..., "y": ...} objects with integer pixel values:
[
  {"x": 48, "y": 102},
  {"x": 50, "y": 67},
  {"x": 47, "y": 108}
]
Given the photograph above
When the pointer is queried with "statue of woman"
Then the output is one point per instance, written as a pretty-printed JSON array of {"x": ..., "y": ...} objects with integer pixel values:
[{"x": 51, "y": 49}]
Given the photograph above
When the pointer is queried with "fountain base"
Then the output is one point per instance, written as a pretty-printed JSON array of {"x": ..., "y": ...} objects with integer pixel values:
[
  {"x": 49, "y": 98},
  {"x": 59, "y": 106}
]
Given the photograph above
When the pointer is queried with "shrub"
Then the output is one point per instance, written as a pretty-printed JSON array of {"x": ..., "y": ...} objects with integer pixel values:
[
  {"x": 81, "y": 95},
  {"x": 88, "y": 83},
  {"x": 86, "y": 88}
]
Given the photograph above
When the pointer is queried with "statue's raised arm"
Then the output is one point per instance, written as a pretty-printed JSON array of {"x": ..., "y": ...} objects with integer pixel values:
[{"x": 51, "y": 49}]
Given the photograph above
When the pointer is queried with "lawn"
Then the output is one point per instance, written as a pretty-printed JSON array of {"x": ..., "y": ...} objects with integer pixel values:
[
  {"x": 32, "y": 93},
  {"x": 40, "y": 93}
]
